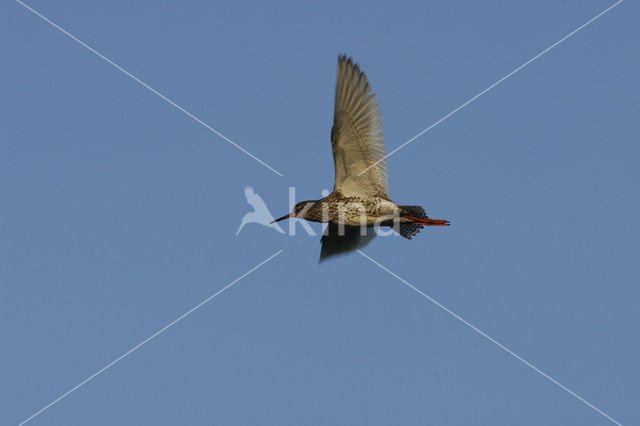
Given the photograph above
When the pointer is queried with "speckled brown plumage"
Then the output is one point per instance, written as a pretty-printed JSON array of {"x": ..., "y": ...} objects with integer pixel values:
[{"x": 359, "y": 201}]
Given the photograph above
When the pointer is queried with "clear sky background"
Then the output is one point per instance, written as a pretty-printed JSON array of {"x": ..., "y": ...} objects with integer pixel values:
[{"x": 119, "y": 213}]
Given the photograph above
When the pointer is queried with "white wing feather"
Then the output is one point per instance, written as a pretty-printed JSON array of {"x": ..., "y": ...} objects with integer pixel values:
[{"x": 356, "y": 136}]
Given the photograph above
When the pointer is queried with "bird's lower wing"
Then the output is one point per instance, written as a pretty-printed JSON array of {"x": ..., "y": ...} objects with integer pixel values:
[{"x": 338, "y": 239}]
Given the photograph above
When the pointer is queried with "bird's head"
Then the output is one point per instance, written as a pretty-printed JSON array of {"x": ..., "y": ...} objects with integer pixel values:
[{"x": 298, "y": 211}]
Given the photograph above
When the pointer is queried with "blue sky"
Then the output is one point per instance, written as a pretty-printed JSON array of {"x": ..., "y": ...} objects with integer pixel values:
[{"x": 119, "y": 213}]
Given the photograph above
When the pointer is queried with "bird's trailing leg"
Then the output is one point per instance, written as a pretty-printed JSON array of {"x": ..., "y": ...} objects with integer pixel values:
[{"x": 427, "y": 221}]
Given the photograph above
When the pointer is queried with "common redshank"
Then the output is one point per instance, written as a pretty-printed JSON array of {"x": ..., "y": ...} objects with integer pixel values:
[{"x": 359, "y": 201}]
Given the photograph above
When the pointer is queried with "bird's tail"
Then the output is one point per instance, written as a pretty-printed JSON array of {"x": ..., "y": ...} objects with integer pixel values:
[{"x": 419, "y": 218}]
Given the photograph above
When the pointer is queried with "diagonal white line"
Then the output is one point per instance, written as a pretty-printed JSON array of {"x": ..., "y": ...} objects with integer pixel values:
[
  {"x": 493, "y": 85},
  {"x": 151, "y": 89},
  {"x": 163, "y": 329},
  {"x": 491, "y": 339}
]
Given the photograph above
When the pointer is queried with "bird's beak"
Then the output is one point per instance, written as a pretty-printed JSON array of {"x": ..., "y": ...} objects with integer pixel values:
[{"x": 287, "y": 216}]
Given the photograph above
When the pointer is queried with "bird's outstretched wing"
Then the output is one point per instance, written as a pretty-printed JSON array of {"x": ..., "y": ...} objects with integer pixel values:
[
  {"x": 356, "y": 136},
  {"x": 335, "y": 242}
]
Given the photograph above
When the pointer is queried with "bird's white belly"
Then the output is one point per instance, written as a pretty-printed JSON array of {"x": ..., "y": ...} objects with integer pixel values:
[{"x": 357, "y": 212}]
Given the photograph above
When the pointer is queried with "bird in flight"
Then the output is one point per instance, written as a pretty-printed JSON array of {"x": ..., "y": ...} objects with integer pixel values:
[{"x": 359, "y": 201}]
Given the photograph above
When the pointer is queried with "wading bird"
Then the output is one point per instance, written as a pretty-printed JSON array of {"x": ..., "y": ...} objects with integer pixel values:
[{"x": 359, "y": 201}]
